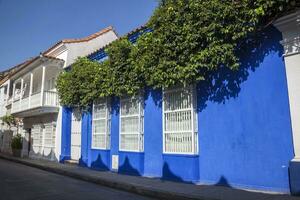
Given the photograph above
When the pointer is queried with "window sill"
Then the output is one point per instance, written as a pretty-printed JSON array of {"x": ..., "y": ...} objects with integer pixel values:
[
  {"x": 181, "y": 154},
  {"x": 102, "y": 149},
  {"x": 128, "y": 151}
]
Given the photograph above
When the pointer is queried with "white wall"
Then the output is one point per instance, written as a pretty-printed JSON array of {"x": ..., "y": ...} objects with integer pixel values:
[
  {"x": 86, "y": 48},
  {"x": 29, "y": 122},
  {"x": 293, "y": 79},
  {"x": 58, "y": 134}
]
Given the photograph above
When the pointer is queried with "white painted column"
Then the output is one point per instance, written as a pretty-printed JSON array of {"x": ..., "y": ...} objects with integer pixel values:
[
  {"x": 43, "y": 85},
  {"x": 21, "y": 94},
  {"x": 2, "y": 102},
  {"x": 30, "y": 88},
  {"x": 290, "y": 27},
  {"x": 8, "y": 90},
  {"x": 293, "y": 79},
  {"x": 13, "y": 96},
  {"x": 2, "y": 95}
]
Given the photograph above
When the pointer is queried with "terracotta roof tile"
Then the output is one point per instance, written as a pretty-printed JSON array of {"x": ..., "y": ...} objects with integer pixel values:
[
  {"x": 85, "y": 39},
  {"x": 126, "y": 35},
  {"x": 8, "y": 73}
]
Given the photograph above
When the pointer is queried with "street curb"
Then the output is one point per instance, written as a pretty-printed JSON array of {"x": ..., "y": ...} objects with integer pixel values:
[{"x": 128, "y": 187}]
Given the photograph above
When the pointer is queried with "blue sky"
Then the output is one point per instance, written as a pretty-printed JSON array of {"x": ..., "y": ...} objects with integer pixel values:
[{"x": 28, "y": 27}]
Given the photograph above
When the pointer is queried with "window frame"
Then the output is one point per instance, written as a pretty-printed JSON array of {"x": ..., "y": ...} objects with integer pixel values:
[
  {"x": 194, "y": 120},
  {"x": 140, "y": 116},
  {"x": 107, "y": 125}
]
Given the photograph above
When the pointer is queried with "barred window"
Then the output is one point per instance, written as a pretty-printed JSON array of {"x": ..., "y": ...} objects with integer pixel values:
[
  {"x": 49, "y": 139},
  {"x": 37, "y": 138},
  {"x": 101, "y": 124},
  {"x": 180, "y": 121},
  {"x": 132, "y": 124}
]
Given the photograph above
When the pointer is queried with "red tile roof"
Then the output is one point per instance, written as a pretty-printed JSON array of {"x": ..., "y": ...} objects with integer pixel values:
[
  {"x": 124, "y": 36},
  {"x": 85, "y": 39},
  {"x": 8, "y": 73}
]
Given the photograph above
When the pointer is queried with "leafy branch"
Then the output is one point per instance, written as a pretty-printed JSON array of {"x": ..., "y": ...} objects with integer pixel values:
[{"x": 189, "y": 39}]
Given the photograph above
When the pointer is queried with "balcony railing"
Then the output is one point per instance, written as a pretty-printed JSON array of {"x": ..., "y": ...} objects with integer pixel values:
[{"x": 50, "y": 99}]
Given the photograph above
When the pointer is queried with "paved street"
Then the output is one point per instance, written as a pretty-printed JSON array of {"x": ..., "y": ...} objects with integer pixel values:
[{"x": 20, "y": 182}]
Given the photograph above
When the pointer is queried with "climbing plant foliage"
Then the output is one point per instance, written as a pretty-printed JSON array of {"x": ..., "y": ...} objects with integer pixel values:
[{"x": 189, "y": 39}]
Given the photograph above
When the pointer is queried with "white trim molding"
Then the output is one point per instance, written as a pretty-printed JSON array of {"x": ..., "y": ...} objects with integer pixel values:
[
  {"x": 290, "y": 27},
  {"x": 101, "y": 121}
]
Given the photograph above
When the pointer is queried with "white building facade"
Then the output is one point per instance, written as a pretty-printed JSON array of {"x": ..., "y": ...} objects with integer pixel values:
[{"x": 28, "y": 93}]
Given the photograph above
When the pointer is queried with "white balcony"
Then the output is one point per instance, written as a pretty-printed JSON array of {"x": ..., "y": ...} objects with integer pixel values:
[
  {"x": 34, "y": 93},
  {"x": 30, "y": 90},
  {"x": 47, "y": 99}
]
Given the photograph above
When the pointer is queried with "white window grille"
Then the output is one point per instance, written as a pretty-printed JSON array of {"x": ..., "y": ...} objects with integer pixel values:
[
  {"x": 43, "y": 137},
  {"x": 37, "y": 138},
  {"x": 132, "y": 124},
  {"x": 180, "y": 131},
  {"x": 49, "y": 139},
  {"x": 101, "y": 125}
]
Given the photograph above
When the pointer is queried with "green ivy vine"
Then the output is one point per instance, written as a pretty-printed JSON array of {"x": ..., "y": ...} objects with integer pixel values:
[{"x": 190, "y": 38}]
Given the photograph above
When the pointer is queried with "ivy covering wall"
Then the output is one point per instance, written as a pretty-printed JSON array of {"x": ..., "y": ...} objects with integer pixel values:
[{"x": 189, "y": 39}]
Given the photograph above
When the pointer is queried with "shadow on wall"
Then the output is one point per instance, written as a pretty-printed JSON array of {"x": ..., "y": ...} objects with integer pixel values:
[
  {"x": 99, "y": 164},
  {"x": 42, "y": 155},
  {"x": 82, "y": 162},
  {"x": 224, "y": 83},
  {"x": 127, "y": 168},
  {"x": 115, "y": 105},
  {"x": 156, "y": 96},
  {"x": 223, "y": 182},
  {"x": 169, "y": 175},
  {"x": 37, "y": 152}
]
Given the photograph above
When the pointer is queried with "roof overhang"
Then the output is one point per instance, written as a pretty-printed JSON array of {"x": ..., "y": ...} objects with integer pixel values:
[
  {"x": 35, "y": 62},
  {"x": 79, "y": 40}
]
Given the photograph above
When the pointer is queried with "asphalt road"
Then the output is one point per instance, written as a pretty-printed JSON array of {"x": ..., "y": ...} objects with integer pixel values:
[{"x": 20, "y": 182}]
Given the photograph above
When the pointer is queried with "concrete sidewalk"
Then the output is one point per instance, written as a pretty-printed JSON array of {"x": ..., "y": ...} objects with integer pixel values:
[{"x": 148, "y": 186}]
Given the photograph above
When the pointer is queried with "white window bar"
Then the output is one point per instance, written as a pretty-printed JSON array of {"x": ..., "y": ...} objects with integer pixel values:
[
  {"x": 101, "y": 124},
  {"x": 180, "y": 129},
  {"x": 132, "y": 124},
  {"x": 37, "y": 138}
]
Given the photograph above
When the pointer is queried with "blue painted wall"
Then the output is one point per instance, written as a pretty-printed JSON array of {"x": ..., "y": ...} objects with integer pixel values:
[
  {"x": 153, "y": 133},
  {"x": 244, "y": 127},
  {"x": 66, "y": 135},
  {"x": 114, "y": 137},
  {"x": 86, "y": 129},
  {"x": 244, "y": 121}
]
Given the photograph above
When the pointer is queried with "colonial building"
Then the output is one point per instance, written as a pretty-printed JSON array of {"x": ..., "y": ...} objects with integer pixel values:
[
  {"x": 237, "y": 128},
  {"x": 28, "y": 93}
]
